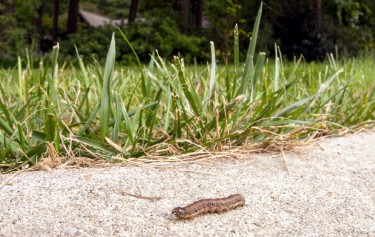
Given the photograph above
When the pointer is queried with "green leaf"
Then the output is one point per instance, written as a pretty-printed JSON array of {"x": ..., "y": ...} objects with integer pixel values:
[
  {"x": 249, "y": 64},
  {"x": 105, "y": 105},
  {"x": 101, "y": 146},
  {"x": 145, "y": 93},
  {"x": 213, "y": 72}
]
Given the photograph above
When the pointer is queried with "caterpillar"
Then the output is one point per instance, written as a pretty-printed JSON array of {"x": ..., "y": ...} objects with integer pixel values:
[{"x": 209, "y": 206}]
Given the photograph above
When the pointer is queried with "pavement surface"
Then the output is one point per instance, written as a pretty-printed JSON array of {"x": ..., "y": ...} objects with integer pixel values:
[{"x": 324, "y": 189}]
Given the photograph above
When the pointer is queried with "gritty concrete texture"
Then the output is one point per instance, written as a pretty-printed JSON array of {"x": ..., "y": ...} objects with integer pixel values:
[{"x": 325, "y": 189}]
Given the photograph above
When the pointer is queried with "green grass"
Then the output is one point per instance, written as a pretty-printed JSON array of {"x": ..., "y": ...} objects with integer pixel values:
[{"x": 115, "y": 112}]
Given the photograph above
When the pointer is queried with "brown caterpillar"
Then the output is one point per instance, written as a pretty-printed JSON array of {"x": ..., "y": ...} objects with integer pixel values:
[{"x": 209, "y": 206}]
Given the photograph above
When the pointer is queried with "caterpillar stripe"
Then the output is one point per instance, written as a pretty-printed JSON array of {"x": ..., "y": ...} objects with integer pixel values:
[{"x": 209, "y": 206}]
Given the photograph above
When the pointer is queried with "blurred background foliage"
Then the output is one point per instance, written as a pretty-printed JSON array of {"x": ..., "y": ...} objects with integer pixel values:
[{"x": 312, "y": 28}]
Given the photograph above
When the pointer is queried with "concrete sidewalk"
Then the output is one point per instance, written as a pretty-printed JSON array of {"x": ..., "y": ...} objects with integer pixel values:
[{"x": 326, "y": 189}]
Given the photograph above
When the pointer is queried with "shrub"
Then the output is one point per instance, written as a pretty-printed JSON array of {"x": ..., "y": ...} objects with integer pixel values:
[{"x": 161, "y": 34}]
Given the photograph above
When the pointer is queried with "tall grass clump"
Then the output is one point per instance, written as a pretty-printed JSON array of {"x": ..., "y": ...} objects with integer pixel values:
[{"x": 166, "y": 108}]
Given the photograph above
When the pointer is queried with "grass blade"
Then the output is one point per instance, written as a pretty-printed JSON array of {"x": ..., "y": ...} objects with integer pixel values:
[
  {"x": 105, "y": 105},
  {"x": 213, "y": 72},
  {"x": 145, "y": 93},
  {"x": 249, "y": 63}
]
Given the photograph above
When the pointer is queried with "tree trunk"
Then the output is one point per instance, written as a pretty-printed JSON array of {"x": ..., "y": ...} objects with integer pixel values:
[
  {"x": 319, "y": 14},
  {"x": 185, "y": 13},
  {"x": 73, "y": 16},
  {"x": 199, "y": 13},
  {"x": 55, "y": 31},
  {"x": 38, "y": 27},
  {"x": 133, "y": 11}
]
